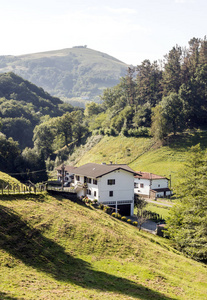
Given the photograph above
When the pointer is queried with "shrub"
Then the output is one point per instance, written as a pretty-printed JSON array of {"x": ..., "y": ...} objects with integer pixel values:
[
  {"x": 124, "y": 132},
  {"x": 107, "y": 209},
  {"x": 95, "y": 201},
  {"x": 123, "y": 218},
  {"x": 118, "y": 216},
  {"x": 135, "y": 223},
  {"x": 101, "y": 206},
  {"x": 129, "y": 221},
  {"x": 113, "y": 214}
]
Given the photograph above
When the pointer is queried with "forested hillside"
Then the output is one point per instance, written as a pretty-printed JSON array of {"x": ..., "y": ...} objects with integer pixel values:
[
  {"x": 29, "y": 120},
  {"x": 169, "y": 96},
  {"x": 75, "y": 72}
]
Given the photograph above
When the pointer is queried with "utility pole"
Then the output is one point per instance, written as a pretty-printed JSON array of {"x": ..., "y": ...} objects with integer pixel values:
[{"x": 63, "y": 174}]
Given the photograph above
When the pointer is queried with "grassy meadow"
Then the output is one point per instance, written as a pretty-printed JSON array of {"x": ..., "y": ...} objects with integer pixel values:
[
  {"x": 142, "y": 154},
  {"x": 53, "y": 248}
]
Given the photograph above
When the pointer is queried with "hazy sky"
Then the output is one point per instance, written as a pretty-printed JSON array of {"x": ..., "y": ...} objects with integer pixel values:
[{"x": 130, "y": 30}]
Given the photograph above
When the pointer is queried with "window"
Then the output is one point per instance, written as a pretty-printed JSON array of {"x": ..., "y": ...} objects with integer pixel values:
[
  {"x": 89, "y": 192},
  {"x": 89, "y": 180},
  {"x": 158, "y": 185},
  {"x": 136, "y": 185},
  {"x": 111, "y": 181},
  {"x": 77, "y": 178},
  {"x": 94, "y": 193},
  {"x": 94, "y": 181},
  {"x": 111, "y": 193},
  {"x": 141, "y": 185}
]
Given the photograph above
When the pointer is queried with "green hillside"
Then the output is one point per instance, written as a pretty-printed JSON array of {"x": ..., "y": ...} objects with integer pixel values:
[
  {"x": 74, "y": 72},
  {"x": 142, "y": 154},
  {"x": 53, "y": 248}
]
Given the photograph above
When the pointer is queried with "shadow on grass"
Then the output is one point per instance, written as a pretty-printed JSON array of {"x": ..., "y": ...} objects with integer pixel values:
[
  {"x": 187, "y": 140},
  {"x": 33, "y": 249},
  {"x": 5, "y": 296}
]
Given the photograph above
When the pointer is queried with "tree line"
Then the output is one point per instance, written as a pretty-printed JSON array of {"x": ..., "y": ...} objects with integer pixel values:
[{"x": 166, "y": 96}]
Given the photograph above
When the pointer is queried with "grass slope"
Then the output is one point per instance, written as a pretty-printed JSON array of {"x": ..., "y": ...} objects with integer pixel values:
[
  {"x": 53, "y": 248},
  {"x": 141, "y": 154},
  {"x": 5, "y": 179}
]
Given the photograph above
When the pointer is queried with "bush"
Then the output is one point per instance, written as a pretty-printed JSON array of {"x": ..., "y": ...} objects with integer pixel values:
[
  {"x": 118, "y": 216},
  {"x": 101, "y": 206},
  {"x": 107, "y": 209},
  {"x": 113, "y": 214},
  {"x": 95, "y": 201},
  {"x": 124, "y": 132},
  {"x": 129, "y": 221},
  {"x": 123, "y": 218},
  {"x": 135, "y": 223},
  {"x": 138, "y": 132}
]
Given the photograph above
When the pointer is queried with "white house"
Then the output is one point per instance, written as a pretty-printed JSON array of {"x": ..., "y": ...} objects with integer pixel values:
[
  {"x": 150, "y": 185},
  {"x": 66, "y": 173},
  {"x": 110, "y": 184}
]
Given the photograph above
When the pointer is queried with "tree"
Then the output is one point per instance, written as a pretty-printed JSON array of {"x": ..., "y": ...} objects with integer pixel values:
[
  {"x": 43, "y": 139},
  {"x": 159, "y": 124},
  {"x": 172, "y": 74},
  {"x": 187, "y": 222},
  {"x": 35, "y": 165},
  {"x": 64, "y": 126},
  {"x": 172, "y": 110},
  {"x": 142, "y": 215},
  {"x": 148, "y": 87},
  {"x": 9, "y": 153}
]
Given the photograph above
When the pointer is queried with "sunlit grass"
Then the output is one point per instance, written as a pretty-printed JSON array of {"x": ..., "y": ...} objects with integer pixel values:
[{"x": 71, "y": 251}]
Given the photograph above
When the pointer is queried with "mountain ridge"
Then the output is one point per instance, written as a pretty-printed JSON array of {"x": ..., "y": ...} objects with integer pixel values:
[{"x": 71, "y": 72}]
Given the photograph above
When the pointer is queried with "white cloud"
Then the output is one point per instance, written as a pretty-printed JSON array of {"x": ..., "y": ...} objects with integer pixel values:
[
  {"x": 123, "y": 10},
  {"x": 184, "y": 1}
]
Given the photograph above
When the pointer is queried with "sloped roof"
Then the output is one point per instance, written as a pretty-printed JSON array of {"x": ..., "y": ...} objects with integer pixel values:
[
  {"x": 147, "y": 175},
  {"x": 98, "y": 170},
  {"x": 69, "y": 169}
]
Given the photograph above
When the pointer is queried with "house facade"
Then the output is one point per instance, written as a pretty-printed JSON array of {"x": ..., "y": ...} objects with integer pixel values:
[
  {"x": 110, "y": 184},
  {"x": 150, "y": 185},
  {"x": 65, "y": 173}
]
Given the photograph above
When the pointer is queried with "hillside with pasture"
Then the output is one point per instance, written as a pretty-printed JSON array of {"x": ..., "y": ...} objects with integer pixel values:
[
  {"x": 142, "y": 154},
  {"x": 53, "y": 248},
  {"x": 77, "y": 72}
]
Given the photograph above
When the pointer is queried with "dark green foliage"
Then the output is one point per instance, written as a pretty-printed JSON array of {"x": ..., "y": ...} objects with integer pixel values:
[
  {"x": 173, "y": 94},
  {"x": 187, "y": 223}
]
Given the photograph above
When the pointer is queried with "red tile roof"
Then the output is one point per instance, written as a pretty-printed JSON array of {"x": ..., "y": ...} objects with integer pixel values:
[{"x": 147, "y": 175}]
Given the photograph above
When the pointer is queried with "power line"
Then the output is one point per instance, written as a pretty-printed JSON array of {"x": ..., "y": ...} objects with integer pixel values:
[{"x": 23, "y": 173}]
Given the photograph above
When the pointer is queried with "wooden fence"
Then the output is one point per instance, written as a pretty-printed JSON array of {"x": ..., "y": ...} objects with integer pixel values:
[{"x": 8, "y": 189}]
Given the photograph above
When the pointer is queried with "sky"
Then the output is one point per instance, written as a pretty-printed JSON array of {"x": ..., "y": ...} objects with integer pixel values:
[{"x": 129, "y": 30}]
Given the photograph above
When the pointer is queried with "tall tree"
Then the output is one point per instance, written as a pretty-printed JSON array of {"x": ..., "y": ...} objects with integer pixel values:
[
  {"x": 148, "y": 87},
  {"x": 187, "y": 222},
  {"x": 173, "y": 112},
  {"x": 171, "y": 80}
]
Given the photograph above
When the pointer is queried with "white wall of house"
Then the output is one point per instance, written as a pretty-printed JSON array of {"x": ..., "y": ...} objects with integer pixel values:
[
  {"x": 142, "y": 186},
  {"x": 122, "y": 192},
  {"x": 159, "y": 183}
]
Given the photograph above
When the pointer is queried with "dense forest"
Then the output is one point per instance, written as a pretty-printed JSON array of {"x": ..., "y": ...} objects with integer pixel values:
[
  {"x": 29, "y": 120},
  {"x": 153, "y": 99},
  {"x": 166, "y": 97}
]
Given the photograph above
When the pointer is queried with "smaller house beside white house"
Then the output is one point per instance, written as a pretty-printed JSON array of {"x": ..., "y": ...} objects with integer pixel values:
[
  {"x": 151, "y": 185},
  {"x": 65, "y": 173},
  {"x": 110, "y": 184}
]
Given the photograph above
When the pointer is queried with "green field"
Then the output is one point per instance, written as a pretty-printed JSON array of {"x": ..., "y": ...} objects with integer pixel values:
[
  {"x": 53, "y": 248},
  {"x": 142, "y": 154}
]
